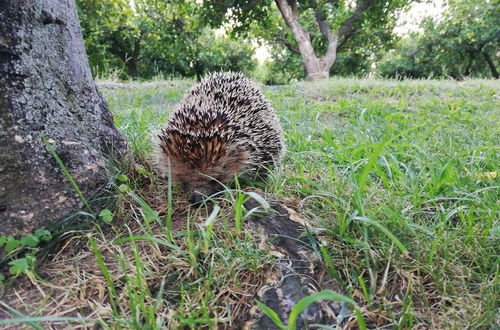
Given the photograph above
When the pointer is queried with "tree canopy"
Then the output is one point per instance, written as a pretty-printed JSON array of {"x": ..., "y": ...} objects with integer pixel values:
[
  {"x": 305, "y": 38},
  {"x": 149, "y": 37},
  {"x": 463, "y": 43},
  {"x": 315, "y": 30}
]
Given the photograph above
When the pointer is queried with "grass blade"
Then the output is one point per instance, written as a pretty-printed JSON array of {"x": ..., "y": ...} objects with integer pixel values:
[
  {"x": 261, "y": 200},
  {"x": 271, "y": 314},
  {"x": 30, "y": 319},
  {"x": 170, "y": 207},
  {"x": 386, "y": 231},
  {"x": 20, "y": 316},
  {"x": 65, "y": 171},
  {"x": 149, "y": 212},
  {"x": 360, "y": 319},
  {"x": 305, "y": 302},
  {"x": 148, "y": 239},
  {"x": 213, "y": 216},
  {"x": 104, "y": 271}
]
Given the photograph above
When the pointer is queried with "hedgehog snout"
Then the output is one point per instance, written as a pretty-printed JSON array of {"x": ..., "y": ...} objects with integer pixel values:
[
  {"x": 200, "y": 190},
  {"x": 196, "y": 198},
  {"x": 198, "y": 195}
]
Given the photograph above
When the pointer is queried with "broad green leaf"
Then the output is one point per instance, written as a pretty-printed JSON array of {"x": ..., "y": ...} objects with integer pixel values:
[
  {"x": 106, "y": 215},
  {"x": 30, "y": 240},
  {"x": 124, "y": 188},
  {"x": 43, "y": 234},
  {"x": 11, "y": 244},
  {"x": 18, "y": 266},
  {"x": 122, "y": 178}
]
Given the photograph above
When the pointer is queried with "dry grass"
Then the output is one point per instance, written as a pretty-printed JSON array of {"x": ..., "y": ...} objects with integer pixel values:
[
  {"x": 366, "y": 158},
  {"x": 71, "y": 281}
]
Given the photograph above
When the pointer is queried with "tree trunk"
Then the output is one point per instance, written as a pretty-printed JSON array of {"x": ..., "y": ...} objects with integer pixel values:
[
  {"x": 133, "y": 61},
  {"x": 467, "y": 71},
  {"x": 132, "y": 67},
  {"x": 316, "y": 68},
  {"x": 46, "y": 88},
  {"x": 493, "y": 69}
]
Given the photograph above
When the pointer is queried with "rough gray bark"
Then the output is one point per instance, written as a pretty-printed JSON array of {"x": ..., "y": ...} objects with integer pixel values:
[{"x": 46, "y": 88}]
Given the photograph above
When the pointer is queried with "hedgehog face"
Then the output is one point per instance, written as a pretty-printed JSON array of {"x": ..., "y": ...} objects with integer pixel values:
[
  {"x": 200, "y": 181},
  {"x": 202, "y": 169}
]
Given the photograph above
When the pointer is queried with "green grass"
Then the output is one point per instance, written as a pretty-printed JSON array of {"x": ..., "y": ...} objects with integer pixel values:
[
  {"x": 396, "y": 177},
  {"x": 394, "y": 174}
]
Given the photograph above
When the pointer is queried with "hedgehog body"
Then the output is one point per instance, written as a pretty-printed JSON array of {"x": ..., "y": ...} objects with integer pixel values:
[{"x": 222, "y": 127}]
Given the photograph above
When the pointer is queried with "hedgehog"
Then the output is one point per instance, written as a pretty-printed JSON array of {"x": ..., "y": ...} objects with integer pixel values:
[{"x": 222, "y": 127}]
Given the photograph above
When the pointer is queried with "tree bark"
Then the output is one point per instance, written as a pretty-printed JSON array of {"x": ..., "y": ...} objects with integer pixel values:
[
  {"x": 132, "y": 67},
  {"x": 287, "y": 44},
  {"x": 318, "y": 68},
  {"x": 133, "y": 61},
  {"x": 467, "y": 71},
  {"x": 314, "y": 67},
  {"x": 46, "y": 88},
  {"x": 493, "y": 69}
]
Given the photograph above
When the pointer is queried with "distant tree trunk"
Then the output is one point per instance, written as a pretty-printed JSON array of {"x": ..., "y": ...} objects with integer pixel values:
[
  {"x": 468, "y": 69},
  {"x": 46, "y": 88},
  {"x": 316, "y": 67},
  {"x": 493, "y": 69},
  {"x": 132, "y": 67},
  {"x": 133, "y": 60}
]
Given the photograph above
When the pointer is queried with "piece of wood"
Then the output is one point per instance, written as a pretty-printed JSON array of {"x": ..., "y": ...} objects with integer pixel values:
[{"x": 285, "y": 231}]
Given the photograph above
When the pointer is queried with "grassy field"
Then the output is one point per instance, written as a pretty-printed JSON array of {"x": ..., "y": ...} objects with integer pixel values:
[{"x": 400, "y": 181}]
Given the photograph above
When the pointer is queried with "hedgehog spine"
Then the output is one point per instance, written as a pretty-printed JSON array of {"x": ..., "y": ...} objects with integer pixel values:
[{"x": 223, "y": 126}]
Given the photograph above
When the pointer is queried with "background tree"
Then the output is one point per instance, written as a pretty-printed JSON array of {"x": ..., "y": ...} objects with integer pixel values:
[
  {"x": 149, "y": 37},
  {"x": 315, "y": 29},
  {"x": 221, "y": 53},
  {"x": 46, "y": 89},
  {"x": 464, "y": 43},
  {"x": 355, "y": 56},
  {"x": 113, "y": 34}
]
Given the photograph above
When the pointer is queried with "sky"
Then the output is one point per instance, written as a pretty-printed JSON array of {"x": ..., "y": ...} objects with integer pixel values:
[{"x": 409, "y": 21}]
